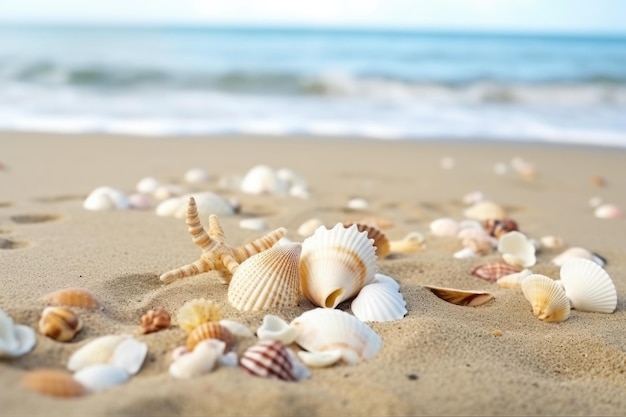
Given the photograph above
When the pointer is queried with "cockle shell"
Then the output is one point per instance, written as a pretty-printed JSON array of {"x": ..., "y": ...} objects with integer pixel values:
[
  {"x": 201, "y": 361},
  {"x": 381, "y": 242},
  {"x": 267, "y": 280},
  {"x": 53, "y": 382},
  {"x": 99, "y": 377},
  {"x": 546, "y": 297},
  {"x": 275, "y": 328},
  {"x": 99, "y": 350},
  {"x": 379, "y": 302},
  {"x": 499, "y": 227},
  {"x": 444, "y": 226},
  {"x": 387, "y": 280},
  {"x": 211, "y": 330},
  {"x": 155, "y": 320},
  {"x": 197, "y": 311},
  {"x": 492, "y": 271},
  {"x": 484, "y": 210},
  {"x": 335, "y": 264},
  {"x": 59, "y": 323},
  {"x": 461, "y": 297},
  {"x": 268, "y": 359},
  {"x": 588, "y": 286},
  {"x": 15, "y": 339},
  {"x": 577, "y": 252},
  {"x": 517, "y": 249},
  {"x": 73, "y": 297},
  {"x": 324, "y": 329}
]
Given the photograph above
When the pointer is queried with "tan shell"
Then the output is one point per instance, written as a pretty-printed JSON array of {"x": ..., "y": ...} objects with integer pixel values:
[
  {"x": 413, "y": 242},
  {"x": 197, "y": 311},
  {"x": 59, "y": 323},
  {"x": 210, "y": 330},
  {"x": 155, "y": 320},
  {"x": 547, "y": 298},
  {"x": 54, "y": 382},
  {"x": 381, "y": 242},
  {"x": 267, "y": 280},
  {"x": 461, "y": 297},
  {"x": 73, "y": 297}
]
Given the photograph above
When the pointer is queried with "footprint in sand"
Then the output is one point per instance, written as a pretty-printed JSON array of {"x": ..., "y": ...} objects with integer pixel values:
[{"x": 34, "y": 218}]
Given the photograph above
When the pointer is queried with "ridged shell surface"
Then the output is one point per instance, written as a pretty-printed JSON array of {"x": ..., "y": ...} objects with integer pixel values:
[
  {"x": 324, "y": 329},
  {"x": 267, "y": 280},
  {"x": 210, "y": 330},
  {"x": 268, "y": 359},
  {"x": 99, "y": 350},
  {"x": 197, "y": 311},
  {"x": 381, "y": 242},
  {"x": 546, "y": 297},
  {"x": 73, "y": 297},
  {"x": 53, "y": 382},
  {"x": 588, "y": 286},
  {"x": 577, "y": 252},
  {"x": 379, "y": 302},
  {"x": 492, "y": 271},
  {"x": 335, "y": 264}
]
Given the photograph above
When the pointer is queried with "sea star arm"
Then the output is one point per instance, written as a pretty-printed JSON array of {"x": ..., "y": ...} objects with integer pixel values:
[
  {"x": 198, "y": 267},
  {"x": 259, "y": 245}
]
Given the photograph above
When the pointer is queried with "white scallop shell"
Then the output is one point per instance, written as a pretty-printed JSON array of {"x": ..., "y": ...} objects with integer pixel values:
[
  {"x": 588, "y": 286},
  {"x": 320, "y": 359},
  {"x": 517, "y": 249},
  {"x": 608, "y": 211},
  {"x": 106, "y": 198},
  {"x": 387, "y": 280},
  {"x": 197, "y": 176},
  {"x": 577, "y": 252},
  {"x": 15, "y": 339},
  {"x": 200, "y": 361},
  {"x": 325, "y": 329},
  {"x": 99, "y": 350},
  {"x": 484, "y": 210},
  {"x": 379, "y": 303},
  {"x": 98, "y": 377},
  {"x": 546, "y": 297},
  {"x": 275, "y": 328},
  {"x": 267, "y": 280},
  {"x": 261, "y": 179},
  {"x": 335, "y": 264},
  {"x": 129, "y": 355},
  {"x": 444, "y": 226}
]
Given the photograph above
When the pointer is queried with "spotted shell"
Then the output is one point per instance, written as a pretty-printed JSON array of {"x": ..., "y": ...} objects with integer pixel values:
[
  {"x": 461, "y": 297},
  {"x": 268, "y": 359},
  {"x": 492, "y": 271},
  {"x": 210, "y": 330},
  {"x": 59, "y": 323},
  {"x": 155, "y": 320},
  {"x": 197, "y": 311},
  {"x": 73, "y": 297},
  {"x": 53, "y": 382},
  {"x": 546, "y": 297},
  {"x": 381, "y": 242}
]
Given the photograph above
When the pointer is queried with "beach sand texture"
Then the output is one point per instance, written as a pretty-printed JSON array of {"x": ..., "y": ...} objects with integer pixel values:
[{"x": 441, "y": 359}]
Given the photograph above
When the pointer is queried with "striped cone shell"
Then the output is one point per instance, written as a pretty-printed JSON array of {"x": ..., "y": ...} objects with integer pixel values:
[
  {"x": 492, "y": 271},
  {"x": 268, "y": 359},
  {"x": 210, "y": 330}
]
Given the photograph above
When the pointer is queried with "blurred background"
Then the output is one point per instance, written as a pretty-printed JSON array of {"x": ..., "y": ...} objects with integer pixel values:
[{"x": 397, "y": 69}]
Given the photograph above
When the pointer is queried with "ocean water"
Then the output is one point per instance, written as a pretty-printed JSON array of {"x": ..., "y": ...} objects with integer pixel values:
[{"x": 385, "y": 85}]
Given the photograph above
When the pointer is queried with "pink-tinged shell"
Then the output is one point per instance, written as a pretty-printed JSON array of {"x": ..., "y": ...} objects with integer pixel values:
[
  {"x": 59, "y": 323},
  {"x": 155, "y": 320},
  {"x": 492, "y": 271},
  {"x": 499, "y": 227},
  {"x": 461, "y": 297},
  {"x": 73, "y": 297},
  {"x": 53, "y": 382},
  {"x": 268, "y": 359},
  {"x": 210, "y": 330},
  {"x": 608, "y": 211}
]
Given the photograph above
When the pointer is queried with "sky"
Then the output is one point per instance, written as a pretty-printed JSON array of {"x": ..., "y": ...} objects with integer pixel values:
[{"x": 575, "y": 16}]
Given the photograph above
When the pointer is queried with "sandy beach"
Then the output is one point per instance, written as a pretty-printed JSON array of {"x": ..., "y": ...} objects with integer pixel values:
[{"x": 440, "y": 359}]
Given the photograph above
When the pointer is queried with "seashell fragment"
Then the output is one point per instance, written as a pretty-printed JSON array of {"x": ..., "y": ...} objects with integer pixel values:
[
  {"x": 461, "y": 297},
  {"x": 320, "y": 359},
  {"x": 197, "y": 176},
  {"x": 201, "y": 361},
  {"x": 129, "y": 355},
  {"x": 484, "y": 210},
  {"x": 477, "y": 240},
  {"x": 155, "y": 320},
  {"x": 608, "y": 211},
  {"x": 546, "y": 297},
  {"x": 381, "y": 243},
  {"x": 492, "y": 271},
  {"x": 588, "y": 286},
  {"x": 197, "y": 311},
  {"x": 53, "y": 382},
  {"x": 379, "y": 302},
  {"x": 267, "y": 280},
  {"x": 99, "y": 350},
  {"x": 99, "y": 377},
  {"x": 15, "y": 339},
  {"x": 357, "y": 203},
  {"x": 413, "y": 242},
  {"x": 73, "y": 297},
  {"x": 444, "y": 226},
  {"x": 499, "y": 227},
  {"x": 210, "y": 330},
  {"x": 59, "y": 323},
  {"x": 552, "y": 242},
  {"x": 517, "y": 249},
  {"x": 577, "y": 252},
  {"x": 275, "y": 328},
  {"x": 268, "y": 359}
]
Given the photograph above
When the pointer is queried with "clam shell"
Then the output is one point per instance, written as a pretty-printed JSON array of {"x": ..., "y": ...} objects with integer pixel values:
[
  {"x": 577, "y": 252},
  {"x": 484, "y": 210},
  {"x": 197, "y": 311},
  {"x": 15, "y": 339},
  {"x": 492, "y": 271},
  {"x": 129, "y": 355},
  {"x": 588, "y": 286},
  {"x": 324, "y": 329},
  {"x": 517, "y": 249},
  {"x": 268, "y": 359},
  {"x": 546, "y": 297},
  {"x": 275, "y": 328},
  {"x": 155, "y": 320},
  {"x": 201, "y": 361},
  {"x": 210, "y": 330},
  {"x": 73, "y": 297},
  {"x": 335, "y": 264},
  {"x": 53, "y": 382},
  {"x": 59, "y": 323},
  {"x": 444, "y": 226},
  {"x": 100, "y": 377},
  {"x": 461, "y": 297},
  {"x": 267, "y": 280},
  {"x": 381, "y": 242},
  {"x": 99, "y": 350},
  {"x": 379, "y": 302}
]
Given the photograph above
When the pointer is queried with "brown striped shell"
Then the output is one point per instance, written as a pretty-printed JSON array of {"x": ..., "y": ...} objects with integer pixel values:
[
  {"x": 499, "y": 227},
  {"x": 210, "y": 330},
  {"x": 155, "y": 320},
  {"x": 53, "y": 382},
  {"x": 492, "y": 271},
  {"x": 461, "y": 297},
  {"x": 73, "y": 297},
  {"x": 59, "y": 323},
  {"x": 381, "y": 242},
  {"x": 268, "y": 359}
]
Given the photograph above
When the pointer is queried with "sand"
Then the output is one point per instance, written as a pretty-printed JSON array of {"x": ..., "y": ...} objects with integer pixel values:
[{"x": 441, "y": 359}]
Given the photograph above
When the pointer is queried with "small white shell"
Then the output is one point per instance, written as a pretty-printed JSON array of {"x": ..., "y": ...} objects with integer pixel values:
[
  {"x": 444, "y": 226},
  {"x": 129, "y": 355},
  {"x": 98, "y": 377},
  {"x": 588, "y": 286},
  {"x": 378, "y": 302},
  {"x": 473, "y": 197},
  {"x": 387, "y": 280},
  {"x": 106, "y": 198},
  {"x": 595, "y": 201},
  {"x": 546, "y": 297},
  {"x": 147, "y": 185},
  {"x": 199, "y": 362},
  {"x": 484, "y": 210},
  {"x": 207, "y": 203},
  {"x": 168, "y": 207},
  {"x": 552, "y": 242},
  {"x": 514, "y": 280},
  {"x": 275, "y": 328},
  {"x": 197, "y": 176},
  {"x": 15, "y": 339},
  {"x": 320, "y": 359},
  {"x": 608, "y": 211},
  {"x": 99, "y": 350},
  {"x": 255, "y": 224},
  {"x": 577, "y": 252},
  {"x": 517, "y": 249},
  {"x": 465, "y": 253},
  {"x": 307, "y": 228},
  {"x": 261, "y": 179},
  {"x": 357, "y": 204},
  {"x": 165, "y": 191}
]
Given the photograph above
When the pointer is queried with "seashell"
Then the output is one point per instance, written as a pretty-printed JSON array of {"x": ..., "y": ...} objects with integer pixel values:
[
  {"x": 492, "y": 271},
  {"x": 298, "y": 368},
  {"x": 59, "y": 323},
  {"x": 197, "y": 176},
  {"x": 167, "y": 191},
  {"x": 106, "y": 198},
  {"x": 381, "y": 243},
  {"x": 465, "y": 253},
  {"x": 210, "y": 330},
  {"x": 546, "y": 297},
  {"x": 461, "y": 297},
  {"x": 552, "y": 242},
  {"x": 577, "y": 252},
  {"x": 207, "y": 203},
  {"x": 99, "y": 377},
  {"x": 608, "y": 211},
  {"x": 473, "y": 197},
  {"x": 236, "y": 328},
  {"x": 588, "y": 286},
  {"x": 387, "y": 280},
  {"x": 267, "y": 280},
  {"x": 155, "y": 320},
  {"x": 197, "y": 311},
  {"x": 379, "y": 302},
  {"x": 261, "y": 179},
  {"x": 357, "y": 203},
  {"x": 53, "y": 382},
  {"x": 324, "y": 329},
  {"x": 275, "y": 328},
  {"x": 413, "y": 242},
  {"x": 147, "y": 185},
  {"x": 169, "y": 206},
  {"x": 499, "y": 227},
  {"x": 484, "y": 210},
  {"x": 513, "y": 280},
  {"x": 129, "y": 355},
  {"x": 320, "y": 359},
  {"x": 517, "y": 249},
  {"x": 15, "y": 339},
  {"x": 477, "y": 240},
  {"x": 229, "y": 359},
  {"x": 307, "y": 228},
  {"x": 268, "y": 359},
  {"x": 444, "y": 226},
  {"x": 335, "y": 264},
  {"x": 300, "y": 191},
  {"x": 201, "y": 361},
  {"x": 99, "y": 350},
  {"x": 73, "y": 297},
  {"x": 178, "y": 352},
  {"x": 256, "y": 224}
]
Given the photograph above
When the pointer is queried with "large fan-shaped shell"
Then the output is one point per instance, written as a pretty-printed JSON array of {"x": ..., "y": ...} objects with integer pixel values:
[
  {"x": 546, "y": 297},
  {"x": 210, "y": 330},
  {"x": 381, "y": 242},
  {"x": 588, "y": 286},
  {"x": 517, "y": 249},
  {"x": 324, "y": 329},
  {"x": 335, "y": 264},
  {"x": 53, "y": 382},
  {"x": 461, "y": 297},
  {"x": 267, "y": 280},
  {"x": 379, "y": 302}
]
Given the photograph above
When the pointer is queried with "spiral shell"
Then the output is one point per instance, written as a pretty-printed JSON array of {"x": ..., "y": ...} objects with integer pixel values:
[
  {"x": 53, "y": 382},
  {"x": 73, "y": 297},
  {"x": 59, "y": 323},
  {"x": 155, "y": 320},
  {"x": 268, "y": 359},
  {"x": 210, "y": 330},
  {"x": 197, "y": 311},
  {"x": 546, "y": 297}
]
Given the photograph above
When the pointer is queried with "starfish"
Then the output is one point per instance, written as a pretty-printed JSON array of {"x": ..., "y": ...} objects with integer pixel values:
[{"x": 217, "y": 255}]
